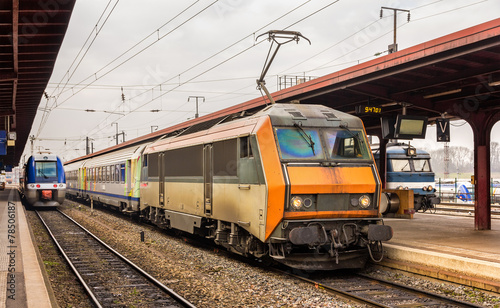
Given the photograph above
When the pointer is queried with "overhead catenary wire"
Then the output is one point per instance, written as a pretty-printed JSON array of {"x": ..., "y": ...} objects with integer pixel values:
[
  {"x": 228, "y": 48},
  {"x": 45, "y": 115},
  {"x": 95, "y": 75},
  {"x": 165, "y": 92},
  {"x": 204, "y": 61},
  {"x": 55, "y": 105}
]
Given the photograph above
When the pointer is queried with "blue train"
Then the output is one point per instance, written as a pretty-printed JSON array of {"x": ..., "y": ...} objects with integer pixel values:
[
  {"x": 410, "y": 168},
  {"x": 42, "y": 182}
]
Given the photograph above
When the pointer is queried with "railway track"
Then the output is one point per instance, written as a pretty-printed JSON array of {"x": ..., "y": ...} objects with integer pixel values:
[
  {"x": 380, "y": 293},
  {"x": 463, "y": 209},
  {"x": 108, "y": 277}
]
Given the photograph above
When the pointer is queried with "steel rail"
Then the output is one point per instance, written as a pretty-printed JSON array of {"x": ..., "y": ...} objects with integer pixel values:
[
  {"x": 71, "y": 265},
  {"x": 364, "y": 300},
  {"x": 443, "y": 298},
  {"x": 182, "y": 301}
]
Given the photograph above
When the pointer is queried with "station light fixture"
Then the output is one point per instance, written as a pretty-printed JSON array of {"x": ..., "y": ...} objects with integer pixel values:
[{"x": 443, "y": 93}]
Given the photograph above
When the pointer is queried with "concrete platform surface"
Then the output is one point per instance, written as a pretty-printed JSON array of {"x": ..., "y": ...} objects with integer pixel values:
[
  {"x": 21, "y": 279},
  {"x": 446, "y": 247}
]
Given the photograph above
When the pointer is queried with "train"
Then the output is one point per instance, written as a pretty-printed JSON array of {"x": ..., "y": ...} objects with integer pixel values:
[
  {"x": 42, "y": 182},
  {"x": 292, "y": 183},
  {"x": 410, "y": 168}
]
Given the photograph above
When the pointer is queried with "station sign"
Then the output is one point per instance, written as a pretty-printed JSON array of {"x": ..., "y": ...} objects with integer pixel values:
[
  {"x": 3, "y": 142},
  {"x": 368, "y": 110},
  {"x": 443, "y": 130}
]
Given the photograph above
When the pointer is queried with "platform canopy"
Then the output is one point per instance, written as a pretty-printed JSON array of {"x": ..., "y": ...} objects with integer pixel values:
[{"x": 31, "y": 33}]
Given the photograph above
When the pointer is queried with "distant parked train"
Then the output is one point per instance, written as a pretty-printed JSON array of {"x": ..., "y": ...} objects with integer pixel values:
[
  {"x": 410, "y": 168},
  {"x": 42, "y": 182},
  {"x": 294, "y": 182}
]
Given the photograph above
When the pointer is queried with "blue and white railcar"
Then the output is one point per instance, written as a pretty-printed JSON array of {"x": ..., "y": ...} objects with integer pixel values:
[
  {"x": 111, "y": 179},
  {"x": 43, "y": 181},
  {"x": 410, "y": 168}
]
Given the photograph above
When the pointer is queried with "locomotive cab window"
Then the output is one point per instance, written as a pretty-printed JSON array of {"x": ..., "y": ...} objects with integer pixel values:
[
  {"x": 347, "y": 144},
  {"x": 299, "y": 143},
  {"x": 400, "y": 165},
  {"x": 422, "y": 165},
  {"x": 46, "y": 171}
]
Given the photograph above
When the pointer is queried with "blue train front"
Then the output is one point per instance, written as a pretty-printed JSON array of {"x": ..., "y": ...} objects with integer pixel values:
[
  {"x": 410, "y": 168},
  {"x": 43, "y": 182}
]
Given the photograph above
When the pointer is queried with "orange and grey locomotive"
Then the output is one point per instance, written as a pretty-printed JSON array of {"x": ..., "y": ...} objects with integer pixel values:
[{"x": 293, "y": 182}]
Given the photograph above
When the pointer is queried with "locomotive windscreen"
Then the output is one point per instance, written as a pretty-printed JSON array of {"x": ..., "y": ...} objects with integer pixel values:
[{"x": 46, "y": 171}]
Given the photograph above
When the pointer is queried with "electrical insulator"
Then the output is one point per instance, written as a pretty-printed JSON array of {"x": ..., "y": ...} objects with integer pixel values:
[
  {"x": 381, "y": 13},
  {"x": 408, "y": 16}
]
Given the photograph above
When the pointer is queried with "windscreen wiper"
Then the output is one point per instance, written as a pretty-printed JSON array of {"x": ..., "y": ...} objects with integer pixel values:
[
  {"x": 355, "y": 135},
  {"x": 44, "y": 176},
  {"x": 306, "y": 137}
]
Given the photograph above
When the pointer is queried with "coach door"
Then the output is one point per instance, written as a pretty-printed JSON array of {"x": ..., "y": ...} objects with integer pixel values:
[
  {"x": 161, "y": 178},
  {"x": 208, "y": 177}
]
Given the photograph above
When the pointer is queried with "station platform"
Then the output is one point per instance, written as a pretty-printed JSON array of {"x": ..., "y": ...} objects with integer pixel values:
[
  {"x": 446, "y": 247},
  {"x": 21, "y": 280}
]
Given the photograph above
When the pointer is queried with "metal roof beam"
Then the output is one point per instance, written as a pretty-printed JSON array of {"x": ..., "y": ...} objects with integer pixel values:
[{"x": 15, "y": 49}]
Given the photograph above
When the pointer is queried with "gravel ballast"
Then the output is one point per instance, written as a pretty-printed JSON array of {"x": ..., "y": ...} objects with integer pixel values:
[{"x": 209, "y": 277}]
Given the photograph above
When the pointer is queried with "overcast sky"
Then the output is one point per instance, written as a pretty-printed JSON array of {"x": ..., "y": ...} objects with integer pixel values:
[{"x": 161, "y": 52}]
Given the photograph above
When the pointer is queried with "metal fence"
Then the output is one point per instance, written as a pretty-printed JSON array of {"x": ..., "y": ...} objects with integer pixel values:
[{"x": 462, "y": 191}]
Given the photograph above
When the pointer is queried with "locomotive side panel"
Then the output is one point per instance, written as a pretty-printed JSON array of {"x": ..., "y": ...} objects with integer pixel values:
[{"x": 275, "y": 183}]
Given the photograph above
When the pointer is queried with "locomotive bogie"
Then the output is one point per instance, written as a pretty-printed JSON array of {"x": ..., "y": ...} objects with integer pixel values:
[{"x": 326, "y": 243}]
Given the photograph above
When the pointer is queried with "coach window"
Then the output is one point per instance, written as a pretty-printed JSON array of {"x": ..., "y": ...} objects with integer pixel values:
[
  {"x": 144, "y": 173},
  {"x": 122, "y": 173},
  {"x": 117, "y": 173}
]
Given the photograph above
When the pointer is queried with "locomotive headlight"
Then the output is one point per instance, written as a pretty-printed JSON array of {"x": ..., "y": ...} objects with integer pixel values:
[
  {"x": 308, "y": 202},
  {"x": 364, "y": 201},
  {"x": 430, "y": 188},
  {"x": 424, "y": 188},
  {"x": 32, "y": 185},
  {"x": 296, "y": 203}
]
